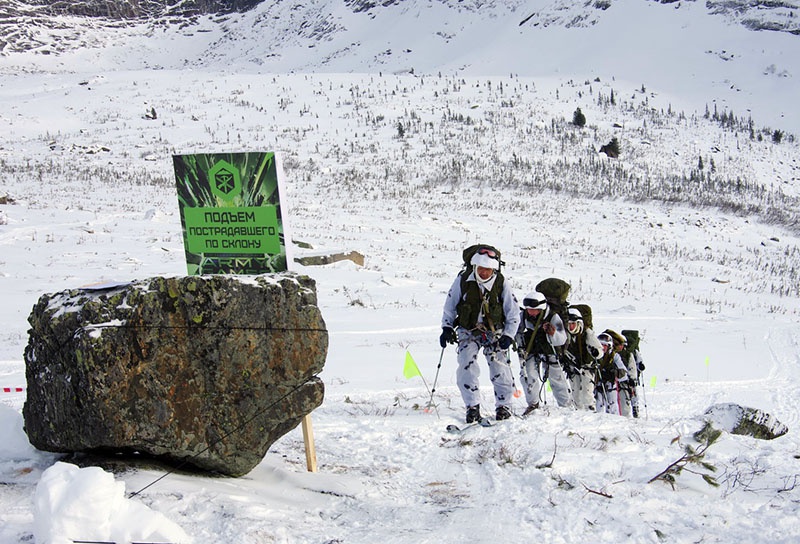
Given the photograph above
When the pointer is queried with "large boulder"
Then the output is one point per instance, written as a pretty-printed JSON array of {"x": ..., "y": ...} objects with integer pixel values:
[
  {"x": 209, "y": 370},
  {"x": 742, "y": 420}
]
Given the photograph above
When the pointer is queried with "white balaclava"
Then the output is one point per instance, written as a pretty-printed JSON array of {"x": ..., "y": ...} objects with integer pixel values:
[{"x": 484, "y": 261}]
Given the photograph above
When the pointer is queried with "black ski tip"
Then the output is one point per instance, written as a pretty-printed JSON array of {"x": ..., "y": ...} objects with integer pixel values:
[
  {"x": 453, "y": 429},
  {"x": 485, "y": 422}
]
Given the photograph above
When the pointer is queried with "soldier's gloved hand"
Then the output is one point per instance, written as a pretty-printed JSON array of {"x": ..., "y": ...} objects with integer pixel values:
[
  {"x": 448, "y": 336},
  {"x": 505, "y": 342}
]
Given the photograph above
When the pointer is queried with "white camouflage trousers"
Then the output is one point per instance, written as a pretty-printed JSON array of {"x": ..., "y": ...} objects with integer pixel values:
[
  {"x": 606, "y": 397},
  {"x": 628, "y": 401},
  {"x": 582, "y": 383},
  {"x": 550, "y": 370},
  {"x": 469, "y": 371}
]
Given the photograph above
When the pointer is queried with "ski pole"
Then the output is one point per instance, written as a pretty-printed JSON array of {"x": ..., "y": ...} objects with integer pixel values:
[
  {"x": 604, "y": 391},
  {"x": 607, "y": 402},
  {"x": 542, "y": 378},
  {"x": 644, "y": 393},
  {"x": 435, "y": 380}
]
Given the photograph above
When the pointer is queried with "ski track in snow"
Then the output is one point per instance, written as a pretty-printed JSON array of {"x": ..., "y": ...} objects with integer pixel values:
[{"x": 783, "y": 384}]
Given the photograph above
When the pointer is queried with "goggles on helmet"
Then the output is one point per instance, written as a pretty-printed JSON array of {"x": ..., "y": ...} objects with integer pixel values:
[{"x": 533, "y": 302}]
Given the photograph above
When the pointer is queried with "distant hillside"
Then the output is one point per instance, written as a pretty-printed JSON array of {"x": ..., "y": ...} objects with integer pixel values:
[
  {"x": 741, "y": 55},
  {"x": 779, "y": 16}
]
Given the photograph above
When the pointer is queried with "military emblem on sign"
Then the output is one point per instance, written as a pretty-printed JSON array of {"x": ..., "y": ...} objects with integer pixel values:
[{"x": 225, "y": 180}]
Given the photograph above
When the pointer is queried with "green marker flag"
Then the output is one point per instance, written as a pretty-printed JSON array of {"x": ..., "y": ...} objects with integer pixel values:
[
  {"x": 410, "y": 369},
  {"x": 653, "y": 382},
  {"x": 707, "y": 360}
]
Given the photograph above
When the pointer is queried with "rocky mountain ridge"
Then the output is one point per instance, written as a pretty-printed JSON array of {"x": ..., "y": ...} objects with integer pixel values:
[
  {"x": 52, "y": 27},
  {"x": 123, "y": 9}
]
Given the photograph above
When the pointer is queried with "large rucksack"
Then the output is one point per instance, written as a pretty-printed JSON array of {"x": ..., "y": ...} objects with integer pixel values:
[
  {"x": 556, "y": 292},
  {"x": 633, "y": 343},
  {"x": 633, "y": 340},
  {"x": 616, "y": 336}
]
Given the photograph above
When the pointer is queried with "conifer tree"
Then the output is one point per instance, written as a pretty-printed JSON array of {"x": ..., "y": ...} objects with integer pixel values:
[
  {"x": 611, "y": 149},
  {"x": 578, "y": 118}
]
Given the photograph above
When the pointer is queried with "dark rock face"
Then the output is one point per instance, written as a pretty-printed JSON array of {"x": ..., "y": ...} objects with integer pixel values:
[
  {"x": 138, "y": 9},
  {"x": 210, "y": 370},
  {"x": 742, "y": 420}
]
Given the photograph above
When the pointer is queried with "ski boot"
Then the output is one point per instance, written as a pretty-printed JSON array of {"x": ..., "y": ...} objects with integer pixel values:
[{"x": 503, "y": 412}]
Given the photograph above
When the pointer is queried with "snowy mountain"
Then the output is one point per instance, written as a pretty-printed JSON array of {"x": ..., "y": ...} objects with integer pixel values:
[{"x": 739, "y": 54}]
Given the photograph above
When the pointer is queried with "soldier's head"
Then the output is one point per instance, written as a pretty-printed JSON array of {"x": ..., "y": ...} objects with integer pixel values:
[
  {"x": 575, "y": 323},
  {"x": 606, "y": 341},
  {"x": 617, "y": 339},
  {"x": 485, "y": 264}
]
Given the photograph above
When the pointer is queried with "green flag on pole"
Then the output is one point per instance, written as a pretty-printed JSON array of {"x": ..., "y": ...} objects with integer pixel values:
[{"x": 410, "y": 369}]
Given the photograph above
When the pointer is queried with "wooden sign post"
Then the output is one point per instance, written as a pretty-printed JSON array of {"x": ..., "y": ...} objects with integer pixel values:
[{"x": 308, "y": 439}]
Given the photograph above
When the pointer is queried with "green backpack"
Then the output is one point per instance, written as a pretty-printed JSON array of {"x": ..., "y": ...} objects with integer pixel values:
[
  {"x": 619, "y": 338},
  {"x": 556, "y": 292},
  {"x": 633, "y": 340}
]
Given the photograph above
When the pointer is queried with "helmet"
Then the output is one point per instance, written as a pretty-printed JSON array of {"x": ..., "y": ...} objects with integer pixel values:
[
  {"x": 575, "y": 317},
  {"x": 605, "y": 339},
  {"x": 534, "y": 301}
]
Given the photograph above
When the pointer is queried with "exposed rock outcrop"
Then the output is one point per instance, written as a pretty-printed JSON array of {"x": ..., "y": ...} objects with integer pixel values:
[
  {"x": 742, "y": 420},
  {"x": 209, "y": 370}
]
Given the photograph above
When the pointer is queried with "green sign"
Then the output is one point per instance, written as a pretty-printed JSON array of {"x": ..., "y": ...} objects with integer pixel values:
[{"x": 231, "y": 213}]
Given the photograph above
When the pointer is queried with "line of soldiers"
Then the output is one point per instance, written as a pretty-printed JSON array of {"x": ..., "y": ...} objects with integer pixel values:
[
  {"x": 598, "y": 372},
  {"x": 585, "y": 371}
]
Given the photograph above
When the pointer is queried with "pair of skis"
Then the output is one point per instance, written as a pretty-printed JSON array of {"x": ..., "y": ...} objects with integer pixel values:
[{"x": 483, "y": 422}]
